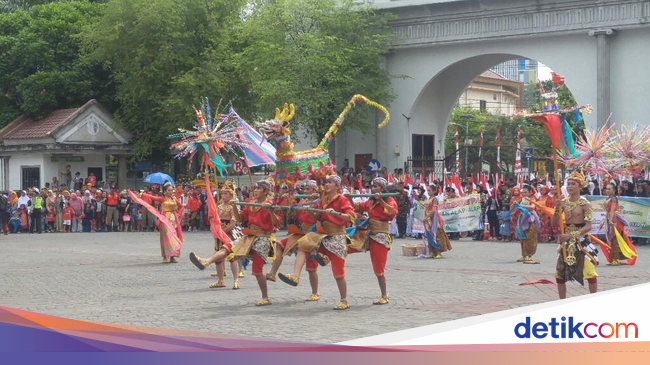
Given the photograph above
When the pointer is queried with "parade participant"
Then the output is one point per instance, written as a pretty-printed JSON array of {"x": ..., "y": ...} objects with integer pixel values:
[
  {"x": 378, "y": 240},
  {"x": 330, "y": 242},
  {"x": 288, "y": 245},
  {"x": 229, "y": 226},
  {"x": 258, "y": 240},
  {"x": 528, "y": 224},
  {"x": 171, "y": 235},
  {"x": 577, "y": 257},
  {"x": 546, "y": 232},
  {"x": 620, "y": 244},
  {"x": 515, "y": 198},
  {"x": 435, "y": 228}
]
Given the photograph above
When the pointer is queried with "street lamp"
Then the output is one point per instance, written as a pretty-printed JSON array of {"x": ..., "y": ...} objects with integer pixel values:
[{"x": 466, "y": 126}]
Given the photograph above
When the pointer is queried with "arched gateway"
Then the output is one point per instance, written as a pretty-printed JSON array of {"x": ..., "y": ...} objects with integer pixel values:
[{"x": 601, "y": 47}]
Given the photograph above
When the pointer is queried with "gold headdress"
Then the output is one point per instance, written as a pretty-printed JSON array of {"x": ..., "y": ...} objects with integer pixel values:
[
  {"x": 229, "y": 186},
  {"x": 578, "y": 178}
]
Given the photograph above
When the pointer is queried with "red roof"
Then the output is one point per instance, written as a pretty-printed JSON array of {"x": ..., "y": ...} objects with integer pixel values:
[{"x": 25, "y": 127}]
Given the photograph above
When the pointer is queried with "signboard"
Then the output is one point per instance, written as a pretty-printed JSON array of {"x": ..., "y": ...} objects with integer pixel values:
[
  {"x": 111, "y": 173},
  {"x": 636, "y": 212},
  {"x": 143, "y": 166},
  {"x": 528, "y": 154},
  {"x": 67, "y": 159},
  {"x": 419, "y": 209},
  {"x": 461, "y": 214},
  {"x": 238, "y": 166},
  {"x": 373, "y": 165}
]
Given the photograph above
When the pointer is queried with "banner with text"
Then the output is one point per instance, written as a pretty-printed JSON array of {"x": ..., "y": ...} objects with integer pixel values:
[
  {"x": 635, "y": 210},
  {"x": 461, "y": 214}
]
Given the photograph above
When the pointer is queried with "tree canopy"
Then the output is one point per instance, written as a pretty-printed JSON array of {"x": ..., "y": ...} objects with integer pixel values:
[
  {"x": 41, "y": 68},
  {"x": 315, "y": 54},
  {"x": 149, "y": 61}
]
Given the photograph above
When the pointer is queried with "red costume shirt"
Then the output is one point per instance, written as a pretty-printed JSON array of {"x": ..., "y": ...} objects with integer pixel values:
[
  {"x": 339, "y": 204},
  {"x": 305, "y": 217},
  {"x": 376, "y": 210},
  {"x": 259, "y": 217}
]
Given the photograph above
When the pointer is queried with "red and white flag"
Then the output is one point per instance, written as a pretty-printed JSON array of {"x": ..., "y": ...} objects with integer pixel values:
[{"x": 455, "y": 181}]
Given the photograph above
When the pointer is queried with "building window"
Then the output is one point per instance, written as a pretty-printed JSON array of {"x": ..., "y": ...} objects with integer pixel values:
[
  {"x": 483, "y": 105},
  {"x": 494, "y": 96}
]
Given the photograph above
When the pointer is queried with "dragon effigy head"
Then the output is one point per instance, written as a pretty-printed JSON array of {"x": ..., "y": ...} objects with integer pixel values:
[{"x": 278, "y": 126}]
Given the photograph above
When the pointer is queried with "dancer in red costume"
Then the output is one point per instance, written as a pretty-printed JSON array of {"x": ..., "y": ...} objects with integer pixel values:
[
  {"x": 329, "y": 243},
  {"x": 381, "y": 212},
  {"x": 289, "y": 244},
  {"x": 258, "y": 240}
]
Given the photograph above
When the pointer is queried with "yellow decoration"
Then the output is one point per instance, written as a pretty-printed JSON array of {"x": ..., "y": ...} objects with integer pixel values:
[{"x": 625, "y": 249}]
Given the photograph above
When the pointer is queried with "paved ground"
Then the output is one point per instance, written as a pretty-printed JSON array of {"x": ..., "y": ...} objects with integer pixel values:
[{"x": 119, "y": 278}]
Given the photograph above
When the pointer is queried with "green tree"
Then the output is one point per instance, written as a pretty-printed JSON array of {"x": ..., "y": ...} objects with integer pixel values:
[
  {"x": 533, "y": 135},
  {"x": 163, "y": 55},
  {"x": 315, "y": 54},
  {"x": 40, "y": 67}
]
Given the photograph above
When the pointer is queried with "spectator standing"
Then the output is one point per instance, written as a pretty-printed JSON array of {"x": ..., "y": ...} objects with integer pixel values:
[
  {"x": 91, "y": 179},
  {"x": 112, "y": 214},
  {"x": 123, "y": 209},
  {"x": 36, "y": 207},
  {"x": 4, "y": 215}
]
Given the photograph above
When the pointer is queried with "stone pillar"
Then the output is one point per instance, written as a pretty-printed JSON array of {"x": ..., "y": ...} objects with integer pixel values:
[
  {"x": 121, "y": 171},
  {"x": 602, "y": 75}
]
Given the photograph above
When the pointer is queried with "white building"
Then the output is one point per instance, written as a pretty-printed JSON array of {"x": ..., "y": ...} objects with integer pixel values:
[
  {"x": 490, "y": 92},
  {"x": 32, "y": 152}
]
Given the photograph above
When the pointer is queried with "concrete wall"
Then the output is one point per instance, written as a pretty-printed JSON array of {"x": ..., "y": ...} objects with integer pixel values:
[
  {"x": 16, "y": 162},
  {"x": 630, "y": 76},
  {"x": 50, "y": 169}
]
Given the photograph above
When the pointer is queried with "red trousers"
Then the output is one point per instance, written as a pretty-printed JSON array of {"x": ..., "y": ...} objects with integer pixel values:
[
  {"x": 337, "y": 263},
  {"x": 378, "y": 257}
]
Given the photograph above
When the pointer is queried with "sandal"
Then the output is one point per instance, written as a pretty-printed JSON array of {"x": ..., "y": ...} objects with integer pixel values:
[
  {"x": 322, "y": 259},
  {"x": 381, "y": 301},
  {"x": 614, "y": 263},
  {"x": 165, "y": 260},
  {"x": 290, "y": 279},
  {"x": 263, "y": 302},
  {"x": 270, "y": 277},
  {"x": 173, "y": 260},
  {"x": 235, "y": 286},
  {"x": 241, "y": 275},
  {"x": 200, "y": 263},
  {"x": 313, "y": 298},
  {"x": 343, "y": 305},
  {"x": 214, "y": 275},
  {"x": 218, "y": 284}
]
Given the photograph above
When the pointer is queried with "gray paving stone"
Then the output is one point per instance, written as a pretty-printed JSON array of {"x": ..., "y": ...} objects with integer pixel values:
[{"x": 119, "y": 278}]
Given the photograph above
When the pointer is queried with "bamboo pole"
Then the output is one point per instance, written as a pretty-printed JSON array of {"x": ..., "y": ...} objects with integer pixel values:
[
  {"x": 290, "y": 207},
  {"x": 383, "y": 195}
]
